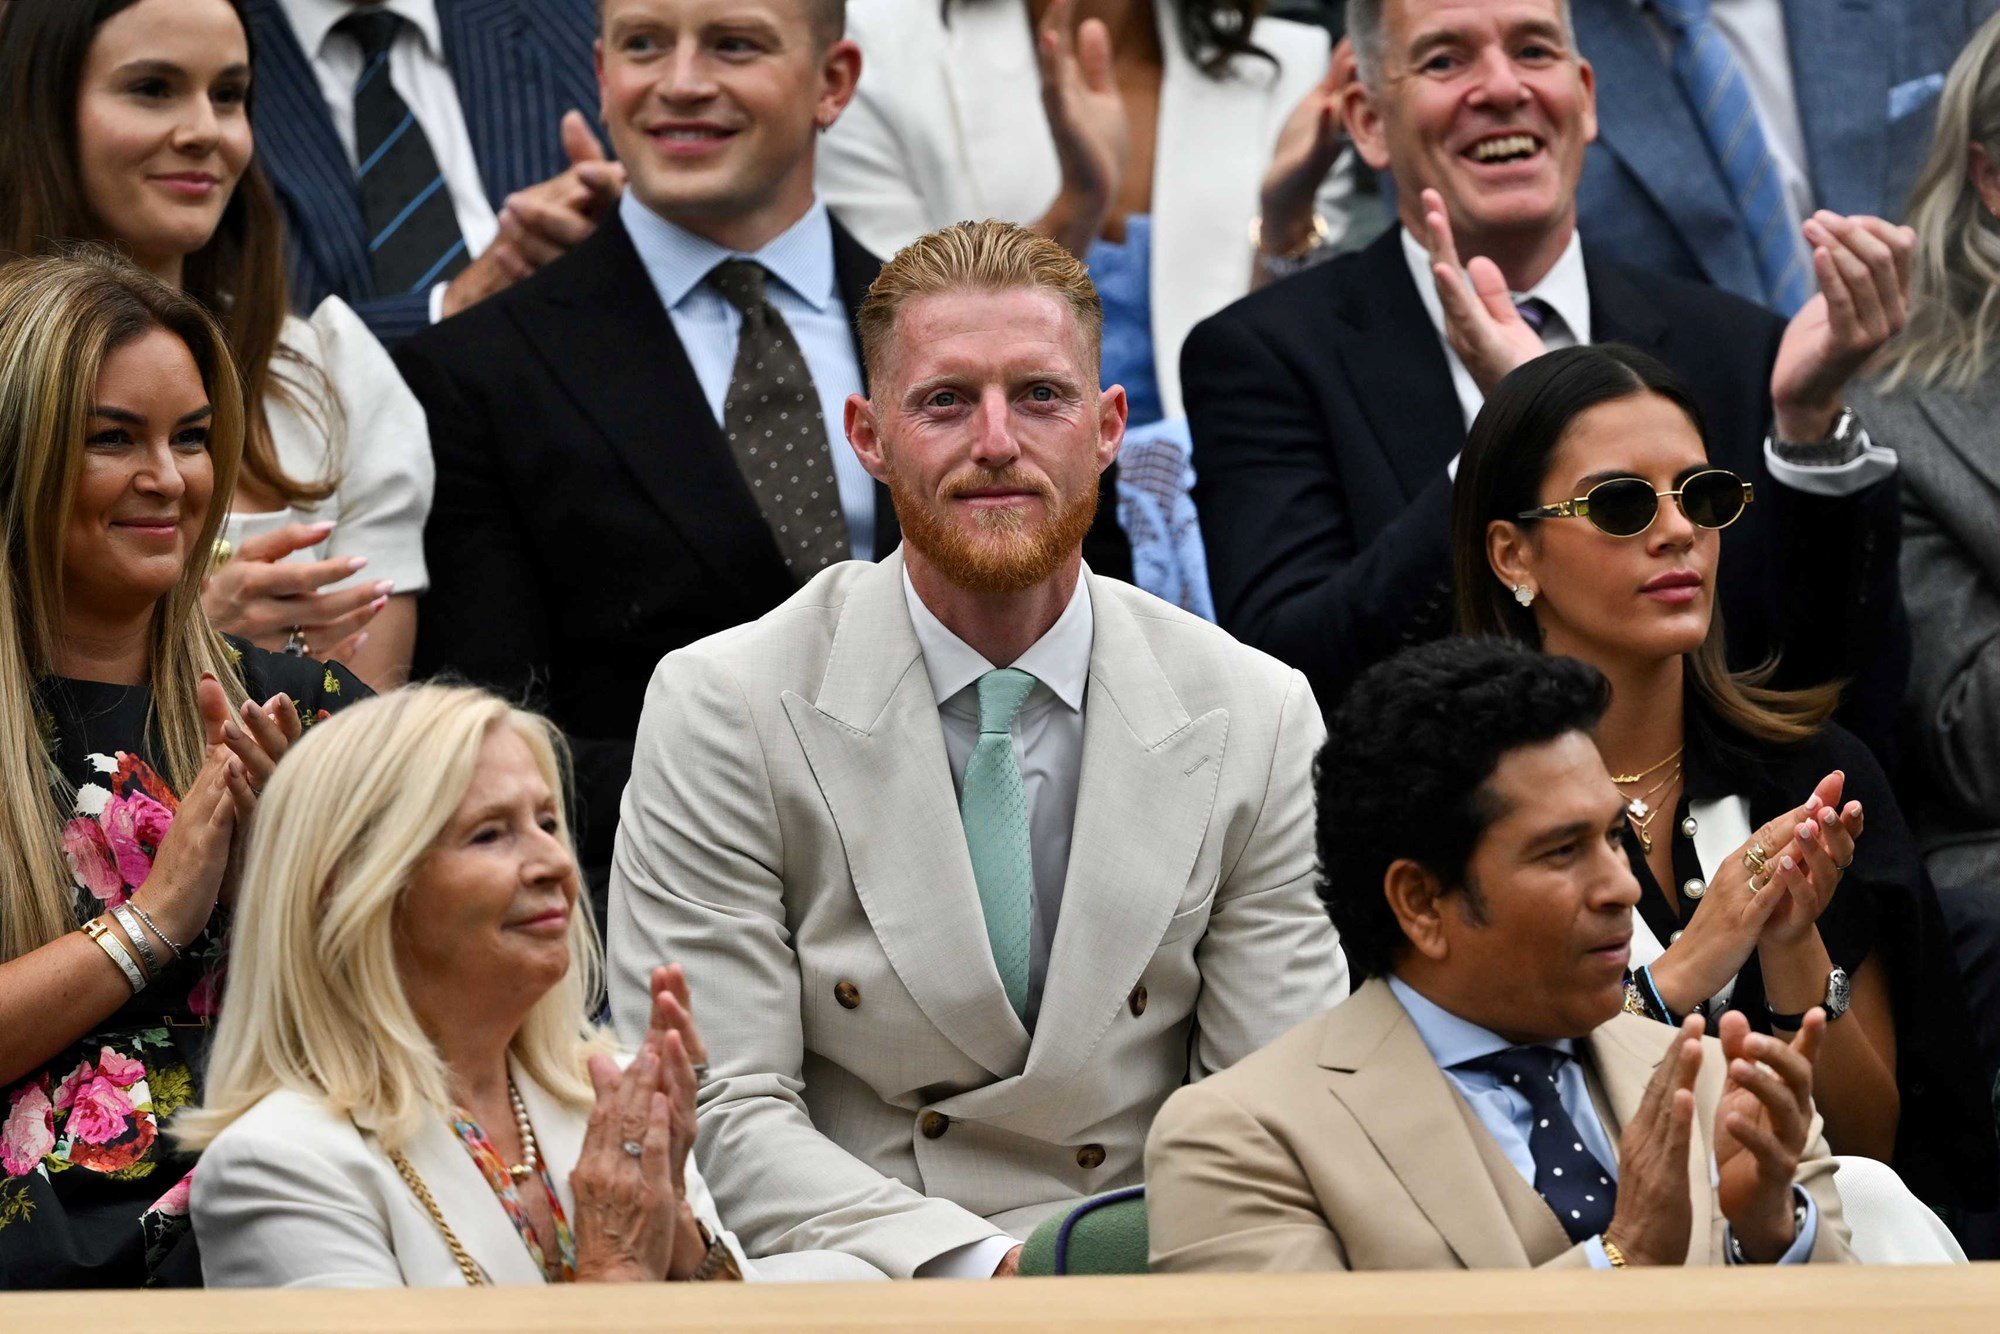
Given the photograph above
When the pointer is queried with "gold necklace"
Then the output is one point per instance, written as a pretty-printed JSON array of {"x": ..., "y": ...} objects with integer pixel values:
[
  {"x": 1623, "y": 779},
  {"x": 1640, "y": 814}
]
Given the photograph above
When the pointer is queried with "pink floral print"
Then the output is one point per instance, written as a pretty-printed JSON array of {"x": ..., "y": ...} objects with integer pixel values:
[{"x": 29, "y": 1132}]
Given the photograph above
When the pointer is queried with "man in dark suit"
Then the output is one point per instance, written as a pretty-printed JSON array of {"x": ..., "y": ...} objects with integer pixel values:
[
  {"x": 1328, "y": 410},
  {"x": 1843, "y": 94},
  {"x": 606, "y": 492},
  {"x": 427, "y": 153}
]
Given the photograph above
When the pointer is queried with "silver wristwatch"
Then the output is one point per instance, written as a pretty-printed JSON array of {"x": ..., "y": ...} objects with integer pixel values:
[
  {"x": 1843, "y": 444},
  {"x": 1835, "y": 1004}
]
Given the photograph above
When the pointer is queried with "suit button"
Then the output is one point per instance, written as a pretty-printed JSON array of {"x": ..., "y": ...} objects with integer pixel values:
[
  {"x": 1137, "y": 1000},
  {"x": 847, "y": 994},
  {"x": 1694, "y": 889},
  {"x": 934, "y": 1124},
  {"x": 1090, "y": 1155}
]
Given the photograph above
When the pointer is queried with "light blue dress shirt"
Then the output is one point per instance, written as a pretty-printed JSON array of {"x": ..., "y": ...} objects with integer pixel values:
[
  {"x": 1505, "y": 1113},
  {"x": 805, "y": 293}
]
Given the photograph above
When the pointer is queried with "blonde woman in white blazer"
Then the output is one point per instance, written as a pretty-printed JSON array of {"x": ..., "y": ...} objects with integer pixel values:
[
  {"x": 405, "y": 1089},
  {"x": 948, "y": 123}
]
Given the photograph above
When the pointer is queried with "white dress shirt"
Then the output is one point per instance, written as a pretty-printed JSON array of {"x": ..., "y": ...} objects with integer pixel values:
[
  {"x": 805, "y": 292},
  {"x": 420, "y": 76},
  {"x": 1754, "y": 31},
  {"x": 1048, "y": 745},
  {"x": 1505, "y": 1112},
  {"x": 1565, "y": 289}
]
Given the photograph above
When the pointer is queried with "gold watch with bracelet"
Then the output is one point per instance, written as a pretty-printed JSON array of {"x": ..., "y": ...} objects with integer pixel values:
[
  {"x": 1295, "y": 260},
  {"x": 718, "y": 1264}
]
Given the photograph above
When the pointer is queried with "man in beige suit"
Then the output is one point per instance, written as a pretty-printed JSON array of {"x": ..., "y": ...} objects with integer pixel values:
[
  {"x": 957, "y": 929},
  {"x": 1481, "y": 1102}
]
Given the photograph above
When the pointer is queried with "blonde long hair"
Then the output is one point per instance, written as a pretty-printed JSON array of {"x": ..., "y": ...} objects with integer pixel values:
[
  {"x": 316, "y": 1004},
  {"x": 1955, "y": 276},
  {"x": 60, "y": 317}
]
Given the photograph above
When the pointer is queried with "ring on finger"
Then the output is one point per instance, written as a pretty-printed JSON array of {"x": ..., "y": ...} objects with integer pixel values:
[
  {"x": 295, "y": 642},
  {"x": 1759, "y": 883},
  {"x": 1755, "y": 858},
  {"x": 701, "y": 1072},
  {"x": 634, "y": 1147},
  {"x": 1842, "y": 866}
]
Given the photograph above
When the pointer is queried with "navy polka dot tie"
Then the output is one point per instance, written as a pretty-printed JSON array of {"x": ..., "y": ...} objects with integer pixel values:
[{"x": 1567, "y": 1175}]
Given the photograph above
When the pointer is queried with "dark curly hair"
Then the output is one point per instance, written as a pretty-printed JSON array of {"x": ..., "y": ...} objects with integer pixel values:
[{"x": 1405, "y": 767}]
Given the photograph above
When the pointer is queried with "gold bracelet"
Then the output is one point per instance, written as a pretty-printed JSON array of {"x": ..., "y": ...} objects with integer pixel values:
[
  {"x": 1612, "y": 1253},
  {"x": 100, "y": 931},
  {"x": 1320, "y": 232},
  {"x": 719, "y": 1263}
]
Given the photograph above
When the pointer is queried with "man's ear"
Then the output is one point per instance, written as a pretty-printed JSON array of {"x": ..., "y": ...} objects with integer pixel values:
[
  {"x": 1113, "y": 410},
  {"x": 840, "y": 74},
  {"x": 1415, "y": 895},
  {"x": 1363, "y": 115},
  {"x": 864, "y": 434}
]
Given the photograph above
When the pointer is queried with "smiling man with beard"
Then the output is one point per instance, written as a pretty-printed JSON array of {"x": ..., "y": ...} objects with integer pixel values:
[{"x": 972, "y": 856}]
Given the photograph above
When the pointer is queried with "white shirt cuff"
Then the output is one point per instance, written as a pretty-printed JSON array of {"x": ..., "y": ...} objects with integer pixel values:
[
  {"x": 976, "y": 1260},
  {"x": 1833, "y": 480},
  {"x": 437, "y": 301},
  {"x": 1802, "y": 1245}
]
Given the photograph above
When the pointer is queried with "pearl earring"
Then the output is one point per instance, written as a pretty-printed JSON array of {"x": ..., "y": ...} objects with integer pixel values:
[{"x": 1524, "y": 595}]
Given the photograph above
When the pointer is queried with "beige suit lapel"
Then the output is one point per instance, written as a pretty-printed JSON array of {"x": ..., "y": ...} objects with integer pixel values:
[
  {"x": 876, "y": 749},
  {"x": 469, "y": 1206},
  {"x": 1144, "y": 798},
  {"x": 1383, "y": 1073},
  {"x": 1541, "y": 1232}
]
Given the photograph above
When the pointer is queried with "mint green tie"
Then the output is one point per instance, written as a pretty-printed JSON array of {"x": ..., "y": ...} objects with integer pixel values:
[{"x": 994, "y": 810}]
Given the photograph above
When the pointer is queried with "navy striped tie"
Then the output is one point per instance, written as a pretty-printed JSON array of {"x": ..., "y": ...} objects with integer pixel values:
[
  {"x": 414, "y": 240},
  {"x": 1719, "y": 95}
]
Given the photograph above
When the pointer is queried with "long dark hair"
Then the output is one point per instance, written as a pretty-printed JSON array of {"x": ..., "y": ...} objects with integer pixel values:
[
  {"x": 1500, "y": 474},
  {"x": 239, "y": 275},
  {"x": 1215, "y": 32}
]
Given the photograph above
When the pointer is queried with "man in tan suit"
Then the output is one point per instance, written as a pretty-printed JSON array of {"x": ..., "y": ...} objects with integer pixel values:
[
  {"x": 972, "y": 856},
  {"x": 1482, "y": 1102}
]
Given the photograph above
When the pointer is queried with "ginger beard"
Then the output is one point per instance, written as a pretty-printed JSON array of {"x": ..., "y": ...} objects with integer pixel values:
[{"x": 993, "y": 551}]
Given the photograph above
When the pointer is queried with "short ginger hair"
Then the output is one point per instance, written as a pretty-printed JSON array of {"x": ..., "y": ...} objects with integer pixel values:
[{"x": 985, "y": 256}]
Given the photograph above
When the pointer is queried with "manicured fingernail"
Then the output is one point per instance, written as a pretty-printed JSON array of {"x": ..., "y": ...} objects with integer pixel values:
[
  {"x": 384, "y": 587},
  {"x": 1812, "y": 803},
  {"x": 1788, "y": 863},
  {"x": 247, "y": 708},
  {"x": 359, "y": 640},
  {"x": 355, "y": 562},
  {"x": 232, "y": 731},
  {"x": 1804, "y": 831},
  {"x": 377, "y": 605}
]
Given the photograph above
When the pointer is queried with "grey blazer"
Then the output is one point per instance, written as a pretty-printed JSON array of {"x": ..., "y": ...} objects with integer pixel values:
[
  {"x": 1950, "y": 449},
  {"x": 791, "y": 835}
]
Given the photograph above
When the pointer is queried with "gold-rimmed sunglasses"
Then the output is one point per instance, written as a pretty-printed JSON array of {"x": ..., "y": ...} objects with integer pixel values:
[{"x": 1627, "y": 506}]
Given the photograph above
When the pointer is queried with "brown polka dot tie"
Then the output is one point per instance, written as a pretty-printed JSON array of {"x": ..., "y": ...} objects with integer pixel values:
[{"x": 776, "y": 431}]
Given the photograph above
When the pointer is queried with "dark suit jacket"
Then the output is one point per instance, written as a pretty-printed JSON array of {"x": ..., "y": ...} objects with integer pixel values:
[
  {"x": 519, "y": 66},
  {"x": 1324, "y": 416},
  {"x": 590, "y": 517},
  {"x": 1867, "y": 75}
]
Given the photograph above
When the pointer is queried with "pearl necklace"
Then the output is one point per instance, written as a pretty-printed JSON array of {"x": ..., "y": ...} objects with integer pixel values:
[{"x": 531, "y": 1155}]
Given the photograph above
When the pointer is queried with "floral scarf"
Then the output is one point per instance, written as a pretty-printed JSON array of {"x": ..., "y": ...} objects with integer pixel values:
[{"x": 494, "y": 1169}]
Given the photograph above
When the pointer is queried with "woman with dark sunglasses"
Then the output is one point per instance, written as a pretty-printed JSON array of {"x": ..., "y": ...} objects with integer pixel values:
[{"x": 1776, "y": 871}]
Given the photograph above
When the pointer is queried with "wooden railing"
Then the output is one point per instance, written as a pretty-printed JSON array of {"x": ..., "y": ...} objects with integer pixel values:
[{"x": 1829, "y": 1300}]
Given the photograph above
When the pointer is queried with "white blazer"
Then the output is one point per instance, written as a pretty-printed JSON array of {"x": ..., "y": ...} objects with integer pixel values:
[
  {"x": 947, "y": 125},
  {"x": 792, "y": 836},
  {"x": 294, "y": 1196}
]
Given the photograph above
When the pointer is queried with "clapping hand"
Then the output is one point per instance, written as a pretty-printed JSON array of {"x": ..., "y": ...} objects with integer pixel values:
[
  {"x": 627, "y": 1211},
  {"x": 1481, "y": 321},
  {"x": 1808, "y": 868},
  {"x": 263, "y": 597},
  {"x": 542, "y": 223},
  {"x": 1654, "y": 1216},
  {"x": 1086, "y": 115},
  {"x": 1761, "y": 1126},
  {"x": 1863, "y": 267},
  {"x": 1308, "y": 146}
]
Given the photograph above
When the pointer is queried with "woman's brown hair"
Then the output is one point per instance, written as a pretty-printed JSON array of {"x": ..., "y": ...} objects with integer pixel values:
[
  {"x": 239, "y": 275},
  {"x": 1500, "y": 474}
]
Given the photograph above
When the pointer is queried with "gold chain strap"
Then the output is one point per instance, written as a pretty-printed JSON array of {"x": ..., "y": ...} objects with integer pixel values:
[{"x": 474, "y": 1275}]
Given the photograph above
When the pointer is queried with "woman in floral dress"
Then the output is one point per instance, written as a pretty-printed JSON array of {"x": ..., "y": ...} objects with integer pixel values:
[{"x": 133, "y": 741}]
